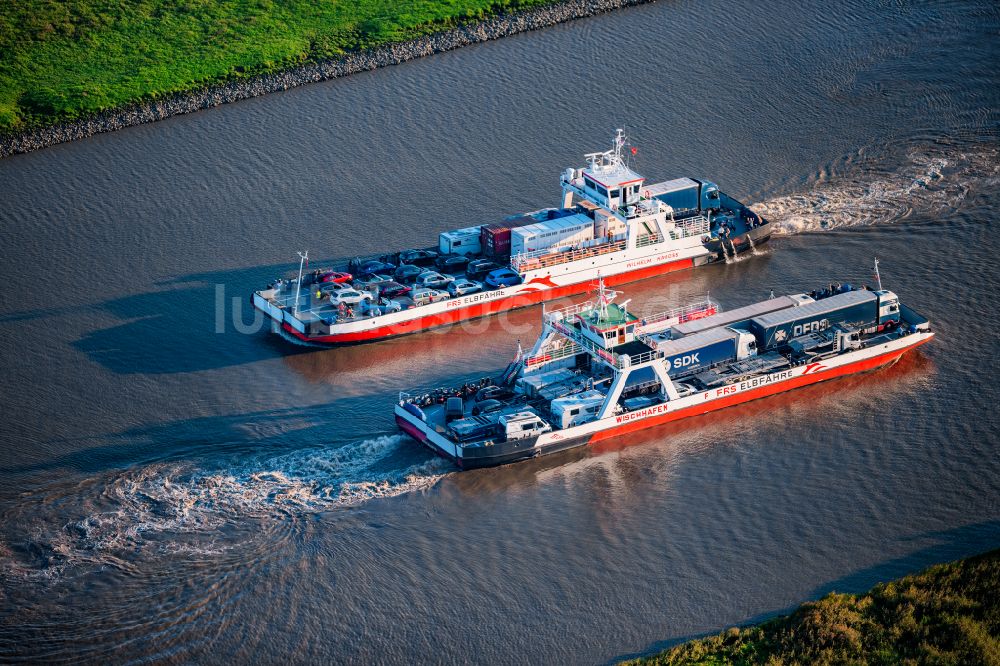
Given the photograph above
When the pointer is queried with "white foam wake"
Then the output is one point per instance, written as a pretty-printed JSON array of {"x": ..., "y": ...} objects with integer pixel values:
[
  {"x": 147, "y": 508},
  {"x": 929, "y": 183}
]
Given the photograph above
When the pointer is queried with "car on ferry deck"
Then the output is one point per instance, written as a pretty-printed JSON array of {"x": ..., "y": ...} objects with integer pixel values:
[
  {"x": 480, "y": 268},
  {"x": 433, "y": 280},
  {"x": 487, "y": 407},
  {"x": 454, "y": 263},
  {"x": 349, "y": 297},
  {"x": 330, "y": 287},
  {"x": 391, "y": 289},
  {"x": 425, "y": 296},
  {"x": 493, "y": 393},
  {"x": 461, "y": 287},
  {"x": 418, "y": 257},
  {"x": 336, "y": 277},
  {"x": 503, "y": 277},
  {"x": 369, "y": 281},
  {"x": 385, "y": 306},
  {"x": 408, "y": 273},
  {"x": 362, "y": 269}
]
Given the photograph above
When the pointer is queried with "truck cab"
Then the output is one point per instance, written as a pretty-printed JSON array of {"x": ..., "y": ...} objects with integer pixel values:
[
  {"x": 888, "y": 307},
  {"x": 746, "y": 345},
  {"x": 846, "y": 338},
  {"x": 523, "y": 425}
]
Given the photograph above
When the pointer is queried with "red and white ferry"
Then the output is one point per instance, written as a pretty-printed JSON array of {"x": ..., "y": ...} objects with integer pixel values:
[
  {"x": 598, "y": 371},
  {"x": 611, "y": 224}
]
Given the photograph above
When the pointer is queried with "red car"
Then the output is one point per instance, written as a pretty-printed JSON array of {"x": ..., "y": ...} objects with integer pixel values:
[
  {"x": 335, "y": 277},
  {"x": 392, "y": 289}
]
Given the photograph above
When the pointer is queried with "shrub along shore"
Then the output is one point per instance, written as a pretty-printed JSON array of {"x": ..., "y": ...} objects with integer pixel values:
[
  {"x": 74, "y": 69},
  {"x": 948, "y": 614}
]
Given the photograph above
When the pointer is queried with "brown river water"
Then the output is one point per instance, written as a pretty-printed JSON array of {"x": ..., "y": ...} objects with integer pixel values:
[{"x": 179, "y": 485}]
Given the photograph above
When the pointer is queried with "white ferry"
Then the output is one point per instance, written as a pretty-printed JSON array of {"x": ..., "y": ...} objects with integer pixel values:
[
  {"x": 611, "y": 224},
  {"x": 598, "y": 371}
]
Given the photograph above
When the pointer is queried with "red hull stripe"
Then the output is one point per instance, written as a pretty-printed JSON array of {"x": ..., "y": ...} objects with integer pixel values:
[
  {"x": 410, "y": 429},
  {"x": 489, "y": 307},
  {"x": 764, "y": 391}
]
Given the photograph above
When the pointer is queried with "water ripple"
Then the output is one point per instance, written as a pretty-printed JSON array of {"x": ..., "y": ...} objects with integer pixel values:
[
  {"x": 930, "y": 181},
  {"x": 146, "y": 510}
]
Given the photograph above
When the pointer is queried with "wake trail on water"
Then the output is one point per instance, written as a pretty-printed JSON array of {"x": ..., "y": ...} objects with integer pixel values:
[
  {"x": 929, "y": 181},
  {"x": 174, "y": 507}
]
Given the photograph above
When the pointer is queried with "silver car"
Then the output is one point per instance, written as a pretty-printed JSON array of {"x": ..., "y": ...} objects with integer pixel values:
[
  {"x": 370, "y": 281},
  {"x": 426, "y": 296},
  {"x": 433, "y": 280},
  {"x": 462, "y": 286},
  {"x": 349, "y": 297}
]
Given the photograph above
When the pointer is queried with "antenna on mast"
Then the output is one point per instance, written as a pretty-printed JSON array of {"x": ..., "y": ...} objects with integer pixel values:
[
  {"x": 602, "y": 297},
  {"x": 609, "y": 158},
  {"x": 878, "y": 277},
  {"x": 303, "y": 259}
]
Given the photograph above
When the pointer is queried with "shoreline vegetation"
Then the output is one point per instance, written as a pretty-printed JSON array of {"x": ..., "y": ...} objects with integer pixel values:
[
  {"x": 947, "y": 614},
  {"x": 73, "y": 69}
]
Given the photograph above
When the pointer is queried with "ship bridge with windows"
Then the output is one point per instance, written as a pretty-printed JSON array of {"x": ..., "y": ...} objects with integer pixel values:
[{"x": 612, "y": 337}]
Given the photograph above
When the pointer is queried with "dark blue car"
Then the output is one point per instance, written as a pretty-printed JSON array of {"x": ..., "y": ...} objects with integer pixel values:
[
  {"x": 502, "y": 277},
  {"x": 372, "y": 267}
]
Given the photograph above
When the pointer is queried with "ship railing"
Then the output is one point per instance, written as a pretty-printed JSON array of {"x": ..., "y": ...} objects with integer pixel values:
[
  {"x": 570, "y": 310},
  {"x": 429, "y": 396},
  {"x": 692, "y": 226},
  {"x": 530, "y": 261},
  {"x": 648, "y": 239},
  {"x": 648, "y": 206},
  {"x": 623, "y": 361},
  {"x": 552, "y": 354},
  {"x": 678, "y": 315}
]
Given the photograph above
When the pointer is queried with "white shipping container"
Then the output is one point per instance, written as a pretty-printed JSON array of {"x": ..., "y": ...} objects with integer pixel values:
[
  {"x": 519, "y": 244},
  {"x": 460, "y": 241},
  {"x": 553, "y": 234}
]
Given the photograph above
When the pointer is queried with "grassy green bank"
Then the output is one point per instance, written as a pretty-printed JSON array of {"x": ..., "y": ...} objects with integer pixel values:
[
  {"x": 948, "y": 614},
  {"x": 68, "y": 59}
]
